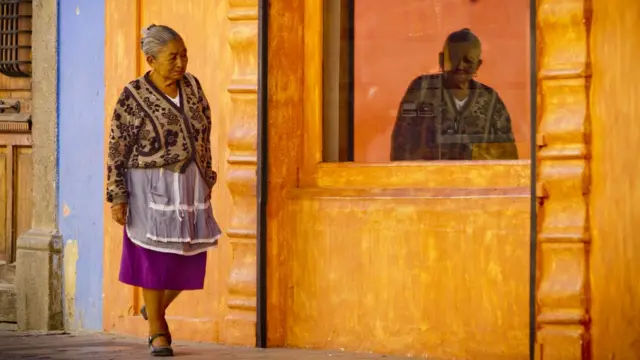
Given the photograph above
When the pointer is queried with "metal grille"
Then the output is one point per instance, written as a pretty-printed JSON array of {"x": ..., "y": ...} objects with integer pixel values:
[{"x": 15, "y": 38}]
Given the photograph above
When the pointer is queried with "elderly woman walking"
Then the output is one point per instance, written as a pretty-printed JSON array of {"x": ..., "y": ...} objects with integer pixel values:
[{"x": 159, "y": 180}]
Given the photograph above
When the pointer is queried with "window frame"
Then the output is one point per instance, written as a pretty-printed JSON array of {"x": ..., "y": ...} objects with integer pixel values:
[{"x": 315, "y": 172}]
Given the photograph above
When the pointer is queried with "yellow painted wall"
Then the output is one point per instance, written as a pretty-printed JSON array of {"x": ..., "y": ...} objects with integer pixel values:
[
  {"x": 442, "y": 273},
  {"x": 615, "y": 197}
]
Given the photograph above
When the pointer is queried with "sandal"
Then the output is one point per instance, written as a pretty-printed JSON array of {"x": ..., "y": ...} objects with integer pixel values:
[
  {"x": 143, "y": 312},
  {"x": 159, "y": 350}
]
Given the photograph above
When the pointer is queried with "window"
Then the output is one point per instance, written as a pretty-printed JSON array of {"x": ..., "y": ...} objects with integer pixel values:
[
  {"x": 426, "y": 80},
  {"x": 15, "y": 38}
]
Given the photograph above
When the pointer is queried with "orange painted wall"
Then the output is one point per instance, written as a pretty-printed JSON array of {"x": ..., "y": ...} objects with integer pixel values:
[
  {"x": 419, "y": 258},
  {"x": 395, "y": 42},
  {"x": 205, "y": 26},
  {"x": 615, "y": 197}
]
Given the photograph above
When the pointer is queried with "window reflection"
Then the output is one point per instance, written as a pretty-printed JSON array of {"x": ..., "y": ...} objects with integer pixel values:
[
  {"x": 450, "y": 115},
  {"x": 426, "y": 80}
]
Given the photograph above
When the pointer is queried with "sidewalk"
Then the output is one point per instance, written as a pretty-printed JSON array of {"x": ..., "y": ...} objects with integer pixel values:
[{"x": 14, "y": 346}]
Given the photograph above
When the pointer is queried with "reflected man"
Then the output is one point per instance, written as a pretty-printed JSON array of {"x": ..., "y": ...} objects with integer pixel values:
[{"x": 450, "y": 116}]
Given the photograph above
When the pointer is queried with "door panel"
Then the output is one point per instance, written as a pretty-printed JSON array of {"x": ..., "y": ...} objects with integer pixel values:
[
  {"x": 23, "y": 190},
  {"x": 203, "y": 24},
  {"x": 5, "y": 178},
  {"x": 15, "y": 194}
]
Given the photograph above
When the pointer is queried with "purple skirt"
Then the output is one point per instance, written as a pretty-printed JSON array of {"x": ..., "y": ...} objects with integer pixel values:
[{"x": 156, "y": 270}]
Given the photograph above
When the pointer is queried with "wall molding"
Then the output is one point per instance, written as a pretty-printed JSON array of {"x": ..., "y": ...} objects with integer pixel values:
[
  {"x": 240, "y": 323},
  {"x": 563, "y": 180}
]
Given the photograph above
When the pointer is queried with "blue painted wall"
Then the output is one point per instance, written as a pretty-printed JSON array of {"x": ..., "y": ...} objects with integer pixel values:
[{"x": 81, "y": 41}]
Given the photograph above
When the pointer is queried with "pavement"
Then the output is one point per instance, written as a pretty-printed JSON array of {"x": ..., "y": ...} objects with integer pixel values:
[{"x": 15, "y": 345}]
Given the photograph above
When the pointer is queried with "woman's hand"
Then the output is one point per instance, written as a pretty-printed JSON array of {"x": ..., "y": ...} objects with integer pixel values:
[{"x": 119, "y": 213}]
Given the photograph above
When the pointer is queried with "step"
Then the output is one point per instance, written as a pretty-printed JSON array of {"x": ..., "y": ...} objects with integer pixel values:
[
  {"x": 7, "y": 303},
  {"x": 7, "y": 273},
  {"x": 7, "y": 326}
]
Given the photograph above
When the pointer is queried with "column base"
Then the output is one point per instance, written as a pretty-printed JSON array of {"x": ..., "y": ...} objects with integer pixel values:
[
  {"x": 239, "y": 329},
  {"x": 39, "y": 281}
]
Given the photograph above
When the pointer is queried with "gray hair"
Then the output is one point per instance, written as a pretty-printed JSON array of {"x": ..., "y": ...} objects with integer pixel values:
[{"x": 155, "y": 37}]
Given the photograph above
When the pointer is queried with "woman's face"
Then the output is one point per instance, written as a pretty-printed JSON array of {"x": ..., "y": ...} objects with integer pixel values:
[
  {"x": 461, "y": 61},
  {"x": 171, "y": 61}
]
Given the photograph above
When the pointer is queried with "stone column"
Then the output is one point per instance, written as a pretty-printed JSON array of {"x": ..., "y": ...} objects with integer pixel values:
[{"x": 39, "y": 250}]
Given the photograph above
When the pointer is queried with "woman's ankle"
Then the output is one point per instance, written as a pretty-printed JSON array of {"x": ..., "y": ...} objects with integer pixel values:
[{"x": 159, "y": 340}]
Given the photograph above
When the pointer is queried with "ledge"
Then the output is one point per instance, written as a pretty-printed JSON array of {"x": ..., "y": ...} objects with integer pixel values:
[{"x": 425, "y": 175}]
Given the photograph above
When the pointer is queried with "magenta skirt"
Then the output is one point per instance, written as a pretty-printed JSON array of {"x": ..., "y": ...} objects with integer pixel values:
[{"x": 150, "y": 269}]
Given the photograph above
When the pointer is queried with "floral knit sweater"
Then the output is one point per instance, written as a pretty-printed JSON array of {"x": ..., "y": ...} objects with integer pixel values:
[{"x": 148, "y": 130}]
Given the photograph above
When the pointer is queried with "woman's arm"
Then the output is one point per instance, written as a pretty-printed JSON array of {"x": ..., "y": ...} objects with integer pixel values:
[
  {"x": 501, "y": 129},
  {"x": 408, "y": 142},
  {"x": 210, "y": 176},
  {"x": 121, "y": 141}
]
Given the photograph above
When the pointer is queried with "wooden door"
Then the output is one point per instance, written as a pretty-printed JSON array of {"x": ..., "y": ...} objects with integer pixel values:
[
  {"x": 203, "y": 24},
  {"x": 15, "y": 182}
]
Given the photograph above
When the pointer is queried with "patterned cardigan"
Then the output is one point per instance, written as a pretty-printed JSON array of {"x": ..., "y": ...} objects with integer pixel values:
[
  {"x": 149, "y": 131},
  {"x": 430, "y": 127}
]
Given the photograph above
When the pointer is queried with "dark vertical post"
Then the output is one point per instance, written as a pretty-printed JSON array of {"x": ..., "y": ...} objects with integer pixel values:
[
  {"x": 261, "y": 253},
  {"x": 534, "y": 200},
  {"x": 351, "y": 10}
]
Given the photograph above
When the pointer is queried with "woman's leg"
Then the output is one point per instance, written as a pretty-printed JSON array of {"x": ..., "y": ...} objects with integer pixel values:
[
  {"x": 154, "y": 301},
  {"x": 169, "y": 296}
]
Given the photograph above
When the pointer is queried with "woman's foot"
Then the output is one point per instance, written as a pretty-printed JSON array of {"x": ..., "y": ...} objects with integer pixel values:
[
  {"x": 159, "y": 345},
  {"x": 143, "y": 312}
]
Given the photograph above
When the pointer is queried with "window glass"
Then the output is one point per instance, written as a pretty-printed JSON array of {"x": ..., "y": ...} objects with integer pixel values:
[{"x": 426, "y": 80}]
